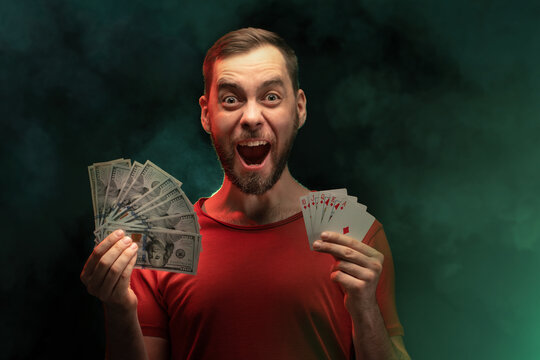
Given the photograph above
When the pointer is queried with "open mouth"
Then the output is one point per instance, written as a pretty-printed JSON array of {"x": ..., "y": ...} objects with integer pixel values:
[{"x": 253, "y": 152}]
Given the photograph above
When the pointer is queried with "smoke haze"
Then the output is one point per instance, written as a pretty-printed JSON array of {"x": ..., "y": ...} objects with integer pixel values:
[{"x": 427, "y": 111}]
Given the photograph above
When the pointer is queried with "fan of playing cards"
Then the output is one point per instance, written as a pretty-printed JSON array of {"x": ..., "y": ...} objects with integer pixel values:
[
  {"x": 334, "y": 210},
  {"x": 150, "y": 206}
]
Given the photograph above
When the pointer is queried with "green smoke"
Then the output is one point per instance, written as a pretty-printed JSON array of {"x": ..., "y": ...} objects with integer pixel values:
[{"x": 427, "y": 111}]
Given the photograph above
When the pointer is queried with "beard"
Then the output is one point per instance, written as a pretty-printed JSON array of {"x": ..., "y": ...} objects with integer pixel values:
[{"x": 254, "y": 183}]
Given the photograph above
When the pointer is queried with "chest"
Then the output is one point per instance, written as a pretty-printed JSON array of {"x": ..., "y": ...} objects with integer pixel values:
[{"x": 241, "y": 273}]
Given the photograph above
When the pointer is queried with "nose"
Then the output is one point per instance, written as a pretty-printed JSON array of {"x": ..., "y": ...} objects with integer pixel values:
[{"x": 252, "y": 118}]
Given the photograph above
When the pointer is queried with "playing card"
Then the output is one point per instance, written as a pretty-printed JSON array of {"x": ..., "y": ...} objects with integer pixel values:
[
  {"x": 311, "y": 210},
  {"x": 334, "y": 210},
  {"x": 316, "y": 221},
  {"x": 313, "y": 200},
  {"x": 312, "y": 207},
  {"x": 353, "y": 221},
  {"x": 322, "y": 204},
  {"x": 304, "y": 205},
  {"x": 329, "y": 207},
  {"x": 339, "y": 204}
]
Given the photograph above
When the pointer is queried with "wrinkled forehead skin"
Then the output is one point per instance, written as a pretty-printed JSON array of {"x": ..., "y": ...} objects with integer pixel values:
[{"x": 240, "y": 61}]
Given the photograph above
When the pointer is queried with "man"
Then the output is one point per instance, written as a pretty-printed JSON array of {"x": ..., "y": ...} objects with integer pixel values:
[
  {"x": 259, "y": 293},
  {"x": 159, "y": 253}
]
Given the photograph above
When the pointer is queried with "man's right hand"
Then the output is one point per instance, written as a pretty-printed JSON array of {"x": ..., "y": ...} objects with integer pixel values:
[{"x": 107, "y": 271}]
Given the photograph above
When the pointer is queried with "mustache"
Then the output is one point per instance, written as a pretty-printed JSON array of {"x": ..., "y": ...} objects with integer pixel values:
[{"x": 250, "y": 134}]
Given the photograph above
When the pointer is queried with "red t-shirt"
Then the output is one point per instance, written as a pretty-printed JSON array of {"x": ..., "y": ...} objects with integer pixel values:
[{"x": 259, "y": 293}]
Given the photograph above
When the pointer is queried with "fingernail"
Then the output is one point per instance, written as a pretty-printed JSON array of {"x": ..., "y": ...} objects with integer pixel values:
[
  {"x": 325, "y": 235},
  {"x": 126, "y": 240},
  {"x": 133, "y": 246},
  {"x": 119, "y": 233},
  {"x": 317, "y": 244}
]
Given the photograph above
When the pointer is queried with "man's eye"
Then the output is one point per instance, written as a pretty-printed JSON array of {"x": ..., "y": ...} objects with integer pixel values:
[
  {"x": 272, "y": 97},
  {"x": 229, "y": 100}
]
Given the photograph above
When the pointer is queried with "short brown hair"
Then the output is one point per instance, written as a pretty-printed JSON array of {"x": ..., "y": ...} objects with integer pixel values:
[{"x": 242, "y": 41}]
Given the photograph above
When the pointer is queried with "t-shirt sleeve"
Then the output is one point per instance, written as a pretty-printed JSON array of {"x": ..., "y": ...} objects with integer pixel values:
[
  {"x": 376, "y": 238},
  {"x": 152, "y": 315}
]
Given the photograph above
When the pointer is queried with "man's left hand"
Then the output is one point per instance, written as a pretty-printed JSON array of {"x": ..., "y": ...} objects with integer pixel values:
[{"x": 357, "y": 269}]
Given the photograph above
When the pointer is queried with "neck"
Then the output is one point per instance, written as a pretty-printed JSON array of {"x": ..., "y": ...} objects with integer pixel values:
[{"x": 231, "y": 205}]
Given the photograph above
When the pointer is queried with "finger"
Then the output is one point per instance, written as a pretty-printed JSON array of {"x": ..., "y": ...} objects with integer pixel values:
[
  {"x": 123, "y": 282},
  {"x": 341, "y": 252},
  {"x": 117, "y": 269},
  {"x": 348, "y": 282},
  {"x": 98, "y": 252},
  {"x": 361, "y": 292},
  {"x": 104, "y": 264},
  {"x": 336, "y": 238},
  {"x": 356, "y": 271}
]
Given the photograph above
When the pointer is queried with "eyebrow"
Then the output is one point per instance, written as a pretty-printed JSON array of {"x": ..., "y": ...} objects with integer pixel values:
[
  {"x": 271, "y": 82},
  {"x": 225, "y": 84}
]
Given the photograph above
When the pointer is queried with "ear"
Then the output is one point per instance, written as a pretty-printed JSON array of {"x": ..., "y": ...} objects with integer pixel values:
[
  {"x": 205, "y": 120},
  {"x": 301, "y": 103}
]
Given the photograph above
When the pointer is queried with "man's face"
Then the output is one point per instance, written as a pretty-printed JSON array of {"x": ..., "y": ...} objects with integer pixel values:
[
  {"x": 253, "y": 114},
  {"x": 157, "y": 255}
]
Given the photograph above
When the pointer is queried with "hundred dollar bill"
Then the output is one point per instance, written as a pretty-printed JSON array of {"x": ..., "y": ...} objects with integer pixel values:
[
  {"x": 133, "y": 173},
  {"x": 102, "y": 172},
  {"x": 147, "y": 199},
  {"x": 121, "y": 225},
  {"x": 92, "y": 176},
  {"x": 118, "y": 177},
  {"x": 172, "y": 203},
  {"x": 160, "y": 217},
  {"x": 168, "y": 250},
  {"x": 149, "y": 177},
  {"x": 182, "y": 222}
]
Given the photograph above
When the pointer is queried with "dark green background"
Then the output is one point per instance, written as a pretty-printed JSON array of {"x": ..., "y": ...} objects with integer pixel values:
[{"x": 428, "y": 111}]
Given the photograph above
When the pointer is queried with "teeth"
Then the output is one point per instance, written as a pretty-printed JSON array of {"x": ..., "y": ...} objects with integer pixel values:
[{"x": 254, "y": 143}]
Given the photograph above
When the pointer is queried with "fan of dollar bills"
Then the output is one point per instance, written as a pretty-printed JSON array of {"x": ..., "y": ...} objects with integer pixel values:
[{"x": 150, "y": 206}]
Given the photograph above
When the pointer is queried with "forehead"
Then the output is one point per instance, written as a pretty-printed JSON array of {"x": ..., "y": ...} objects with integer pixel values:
[
  {"x": 155, "y": 245},
  {"x": 257, "y": 65}
]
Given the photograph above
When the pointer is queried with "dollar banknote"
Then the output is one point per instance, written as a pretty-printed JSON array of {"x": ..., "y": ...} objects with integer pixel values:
[
  {"x": 146, "y": 200},
  {"x": 133, "y": 173},
  {"x": 150, "y": 206},
  {"x": 173, "y": 203},
  {"x": 102, "y": 178},
  {"x": 148, "y": 178},
  {"x": 118, "y": 177},
  {"x": 164, "y": 249},
  {"x": 182, "y": 222},
  {"x": 92, "y": 176},
  {"x": 99, "y": 177}
]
